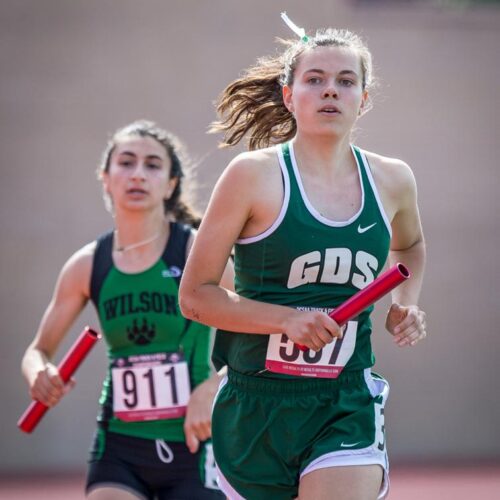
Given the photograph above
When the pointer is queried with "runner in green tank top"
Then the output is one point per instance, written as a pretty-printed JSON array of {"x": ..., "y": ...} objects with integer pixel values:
[
  {"x": 312, "y": 221},
  {"x": 155, "y": 421}
]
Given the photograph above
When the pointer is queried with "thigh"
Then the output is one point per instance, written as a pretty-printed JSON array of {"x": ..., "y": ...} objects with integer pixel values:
[
  {"x": 349, "y": 456},
  {"x": 112, "y": 469},
  {"x": 113, "y": 493},
  {"x": 109, "y": 480},
  {"x": 361, "y": 482}
]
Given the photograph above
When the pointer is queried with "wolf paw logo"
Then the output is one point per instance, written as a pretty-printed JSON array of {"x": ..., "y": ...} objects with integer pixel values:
[{"x": 141, "y": 335}]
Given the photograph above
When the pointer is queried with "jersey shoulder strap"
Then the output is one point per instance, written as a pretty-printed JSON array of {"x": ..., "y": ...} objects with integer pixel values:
[
  {"x": 175, "y": 250},
  {"x": 101, "y": 265}
]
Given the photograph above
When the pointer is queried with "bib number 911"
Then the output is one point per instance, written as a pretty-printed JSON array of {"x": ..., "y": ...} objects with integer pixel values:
[{"x": 150, "y": 387}]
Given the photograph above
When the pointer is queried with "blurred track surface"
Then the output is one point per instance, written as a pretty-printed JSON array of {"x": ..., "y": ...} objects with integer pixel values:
[{"x": 407, "y": 483}]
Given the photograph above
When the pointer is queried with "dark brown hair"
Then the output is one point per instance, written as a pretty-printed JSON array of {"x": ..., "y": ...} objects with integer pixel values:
[
  {"x": 253, "y": 104},
  {"x": 175, "y": 205}
]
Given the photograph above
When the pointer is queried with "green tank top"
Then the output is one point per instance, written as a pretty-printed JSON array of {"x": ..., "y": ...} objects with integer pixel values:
[
  {"x": 140, "y": 316},
  {"x": 307, "y": 261}
]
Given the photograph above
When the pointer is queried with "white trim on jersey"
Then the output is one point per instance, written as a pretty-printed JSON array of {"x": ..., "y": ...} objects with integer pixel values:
[
  {"x": 222, "y": 482},
  {"x": 222, "y": 383},
  {"x": 375, "y": 192},
  {"x": 365, "y": 456},
  {"x": 284, "y": 206},
  {"x": 226, "y": 488},
  {"x": 309, "y": 205}
]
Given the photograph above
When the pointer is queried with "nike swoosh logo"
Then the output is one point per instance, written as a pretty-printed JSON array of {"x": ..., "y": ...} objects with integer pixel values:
[
  {"x": 348, "y": 445},
  {"x": 362, "y": 230}
]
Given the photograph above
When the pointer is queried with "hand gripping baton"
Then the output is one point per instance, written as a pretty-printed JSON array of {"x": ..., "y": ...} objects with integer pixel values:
[
  {"x": 379, "y": 287},
  {"x": 69, "y": 364}
]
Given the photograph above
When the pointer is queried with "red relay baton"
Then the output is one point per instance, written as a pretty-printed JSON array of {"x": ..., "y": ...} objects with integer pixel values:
[
  {"x": 379, "y": 287},
  {"x": 69, "y": 364}
]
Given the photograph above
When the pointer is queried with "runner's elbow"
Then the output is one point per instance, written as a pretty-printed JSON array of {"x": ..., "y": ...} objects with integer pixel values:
[{"x": 187, "y": 302}]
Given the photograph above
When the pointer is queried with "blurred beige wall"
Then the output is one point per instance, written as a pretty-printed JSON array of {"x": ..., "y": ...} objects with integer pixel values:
[{"x": 72, "y": 72}]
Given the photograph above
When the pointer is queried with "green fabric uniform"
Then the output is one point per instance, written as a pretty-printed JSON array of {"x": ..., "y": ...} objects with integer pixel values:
[
  {"x": 269, "y": 428},
  {"x": 139, "y": 315},
  {"x": 308, "y": 261},
  {"x": 267, "y": 433}
]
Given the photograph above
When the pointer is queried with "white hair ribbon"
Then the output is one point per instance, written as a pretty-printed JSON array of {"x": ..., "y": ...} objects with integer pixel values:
[{"x": 300, "y": 32}]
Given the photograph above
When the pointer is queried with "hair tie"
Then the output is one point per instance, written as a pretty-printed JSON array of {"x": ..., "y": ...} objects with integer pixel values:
[{"x": 300, "y": 32}]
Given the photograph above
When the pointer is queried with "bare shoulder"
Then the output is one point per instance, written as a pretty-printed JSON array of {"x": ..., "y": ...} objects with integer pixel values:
[
  {"x": 84, "y": 256},
  {"x": 393, "y": 173},
  {"x": 249, "y": 194},
  {"x": 394, "y": 179},
  {"x": 252, "y": 176},
  {"x": 77, "y": 270},
  {"x": 253, "y": 163}
]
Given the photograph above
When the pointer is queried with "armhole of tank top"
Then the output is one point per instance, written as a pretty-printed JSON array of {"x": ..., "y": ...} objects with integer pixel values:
[
  {"x": 175, "y": 250},
  {"x": 102, "y": 262},
  {"x": 286, "y": 199},
  {"x": 371, "y": 180}
]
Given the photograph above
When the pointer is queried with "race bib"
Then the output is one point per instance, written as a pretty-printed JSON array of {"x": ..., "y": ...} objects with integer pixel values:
[
  {"x": 150, "y": 387},
  {"x": 283, "y": 356}
]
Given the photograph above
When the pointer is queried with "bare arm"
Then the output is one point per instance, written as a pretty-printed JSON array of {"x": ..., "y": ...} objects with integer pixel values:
[
  {"x": 407, "y": 245},
  {"x": 70, "y": 296},
  {"x": 227, "y": 278},
  {"x": 405, "y": 320},
  {"x": 198, "y": 421},
  {"x": 233, "y": 208}
]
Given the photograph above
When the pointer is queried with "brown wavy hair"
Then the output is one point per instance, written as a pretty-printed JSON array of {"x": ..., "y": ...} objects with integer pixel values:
[
  {"x": 175, "y": 205},
  {"x": 252, "y": 105}
]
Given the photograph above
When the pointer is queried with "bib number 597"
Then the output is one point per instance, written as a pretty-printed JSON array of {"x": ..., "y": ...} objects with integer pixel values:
[{"x": 283, "y": 356}]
